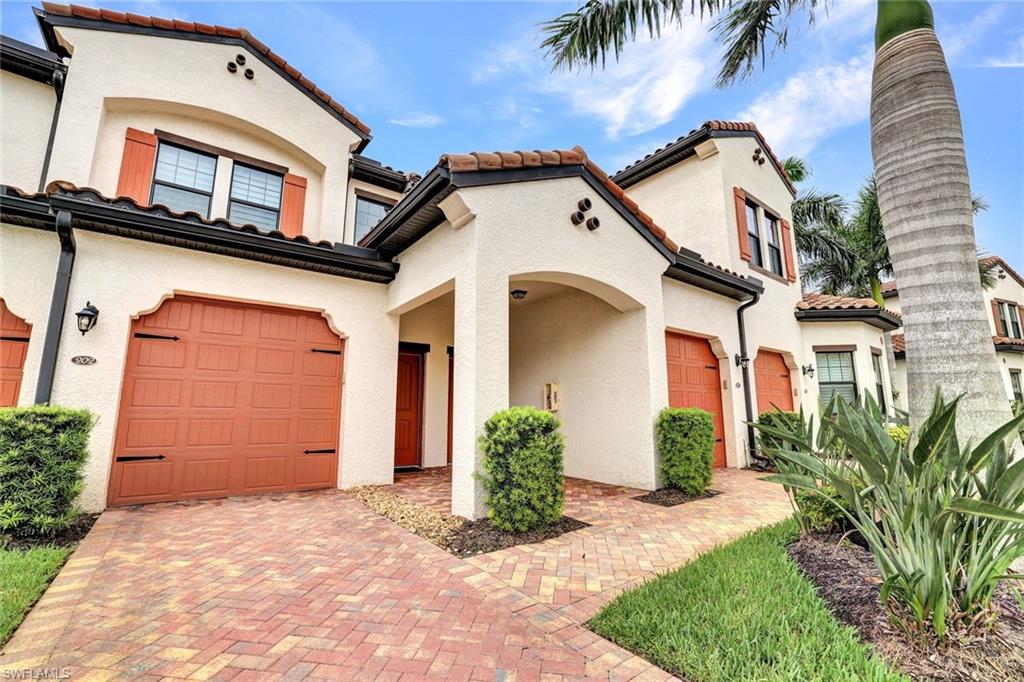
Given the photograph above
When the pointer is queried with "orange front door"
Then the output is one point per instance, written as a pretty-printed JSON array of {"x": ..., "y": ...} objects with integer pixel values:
[
  {"x": 225, "y": 399},
  {"x": 408, "y": 409},
  {"x": 14, "y": 336},
  {"x": 693, "y": 381},
  {"x": 771, "y": 375}
]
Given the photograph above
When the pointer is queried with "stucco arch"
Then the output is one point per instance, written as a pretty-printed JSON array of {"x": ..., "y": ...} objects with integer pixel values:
[
  {"x": 787, "y": 356},
  {"x": 611, "y": 295}
]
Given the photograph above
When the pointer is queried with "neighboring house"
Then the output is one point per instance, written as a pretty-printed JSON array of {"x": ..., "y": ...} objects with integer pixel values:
[
  {"x": 277, "y": 311},
  {"x": 1004, "y": 304}
]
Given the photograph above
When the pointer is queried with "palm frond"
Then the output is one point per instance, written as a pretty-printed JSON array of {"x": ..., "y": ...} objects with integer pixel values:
[
  {"x": 584, "y": 37},
  {"x": 747, "y": 29},
  {"x": 796, "y": 168},
  {"x": 987, "y": 270},
  {"x": 812, "y": 207},
  {"x": 979, "y": 204}
]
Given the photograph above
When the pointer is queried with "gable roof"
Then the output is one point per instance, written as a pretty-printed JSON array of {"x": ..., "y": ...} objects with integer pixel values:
[
  {"x": 418, "y": 213},
  {"x": 53, "y": 14},
  {"x": 684, "y": 147},
  {"x": 815, "y": 307}
]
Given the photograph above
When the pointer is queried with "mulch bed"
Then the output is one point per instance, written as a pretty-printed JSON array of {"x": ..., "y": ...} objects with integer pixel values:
[
  {"x": 70, "y": 536},
  {"x": 670, "y": 497},
  {"x": 848, "y": 580},
  {"x": 453, "y": 533}
]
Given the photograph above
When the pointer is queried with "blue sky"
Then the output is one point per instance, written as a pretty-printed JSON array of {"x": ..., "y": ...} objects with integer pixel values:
[{"x": 449, "y": 77}]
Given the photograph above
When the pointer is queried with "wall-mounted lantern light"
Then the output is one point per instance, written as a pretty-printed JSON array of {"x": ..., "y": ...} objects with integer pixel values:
[
  {"x": 518, "y": 294},
  {"x": 742, "y": 362},
  {"x": 808, "y": 371},
  {"x": 87, "y": 317}
]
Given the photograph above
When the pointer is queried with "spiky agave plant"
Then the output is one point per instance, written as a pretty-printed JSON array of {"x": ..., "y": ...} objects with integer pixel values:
[{"x": 943, "y": 521}]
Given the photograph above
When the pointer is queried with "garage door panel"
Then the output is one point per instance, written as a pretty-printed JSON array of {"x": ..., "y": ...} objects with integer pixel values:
[
  {"x": 230, "y": 404},
  {"x": 694, "y": 381},
  {"x": 772, "y": 381}
]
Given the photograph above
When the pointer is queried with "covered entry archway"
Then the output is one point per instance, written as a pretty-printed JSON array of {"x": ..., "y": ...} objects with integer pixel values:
[{"x": 222, "y": 398}]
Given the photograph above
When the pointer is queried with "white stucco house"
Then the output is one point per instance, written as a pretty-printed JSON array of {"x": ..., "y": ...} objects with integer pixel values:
[
  {"x": 1004, "y": 305},
  {"x": 275, "y": 310}
]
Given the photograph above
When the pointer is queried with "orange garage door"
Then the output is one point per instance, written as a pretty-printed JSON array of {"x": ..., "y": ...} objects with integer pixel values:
[
  {"x": 693, "y": 381},
  {"x": 771, "y": 375},
  {"x": 226, "y": 399},
  {"x": 14, "y": 335}
]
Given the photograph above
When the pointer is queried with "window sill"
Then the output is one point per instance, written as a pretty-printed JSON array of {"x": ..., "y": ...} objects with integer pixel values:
[{"x": 770, "y": 275}]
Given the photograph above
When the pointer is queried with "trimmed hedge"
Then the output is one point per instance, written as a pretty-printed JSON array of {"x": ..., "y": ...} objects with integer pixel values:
[
  {"x": 42, "y": 455},
  {"x": 686, "y": 438},
  {"x": 782, "y": 419},
  {"x": 522, "y": 469}
]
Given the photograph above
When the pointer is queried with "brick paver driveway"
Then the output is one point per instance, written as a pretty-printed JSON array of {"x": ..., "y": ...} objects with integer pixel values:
[{"x": 317, "y": 585}]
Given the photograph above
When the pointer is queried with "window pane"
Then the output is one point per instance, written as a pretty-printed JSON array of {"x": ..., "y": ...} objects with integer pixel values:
[
  {"x": 256, "y": 186},
  {"x": 835, "y": 367},
  {"x": 185, "y": 167},
  {"x": 243, "y": 214},
  {"x": 368, "y": 214},
  {"x": 775, "y": 259},
  {"x": 773, "y": 230},
  {"x": 181, "y": 200},
  {"x": 1015, "y": 385},
  {"x": 848, "y": 392},
  {"x": 1015, "y": 321}
]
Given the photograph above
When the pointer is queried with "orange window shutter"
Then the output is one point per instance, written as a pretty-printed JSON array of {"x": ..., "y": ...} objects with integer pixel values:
[
  {"x": 137, "y": 164},
  {"x": 741, "y": 222},
  {"x": 787, "y": 250},
  {"x": 995, "y": 318},
  {"x": 293, "y": 205}
]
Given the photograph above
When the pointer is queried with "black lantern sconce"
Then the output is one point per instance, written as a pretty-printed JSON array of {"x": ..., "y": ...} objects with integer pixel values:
[
  {"x": 808, "y": 371},
  {"x": 518, "y": 294},
  {"x": 742, "y": 361},
  {"x": 87, "y": 317}
]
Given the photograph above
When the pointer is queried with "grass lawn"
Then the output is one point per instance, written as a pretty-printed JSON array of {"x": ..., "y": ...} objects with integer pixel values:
[
  {"x": 24, "y": 574},
  {"x": 742, "y": 611}
]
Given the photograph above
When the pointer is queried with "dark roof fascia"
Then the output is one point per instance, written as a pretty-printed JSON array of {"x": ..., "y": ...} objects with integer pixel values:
[
  {"x": 669, "y": 156},
  {"x": 690, "y": 269},
  {"x": 420, "y": 198},
  {"x": 29, "y": 61},
  {"x": 368, "y": 170},
  {"x": 47, "y": 22},
  {"x": 882, "y": 319},
  {"x": 343, "y": 260},
  {"x": 890, "y": 293},
  {"x": 1010, "y": 347}
]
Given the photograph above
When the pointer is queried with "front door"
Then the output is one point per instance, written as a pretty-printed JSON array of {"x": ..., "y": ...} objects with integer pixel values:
[
  {"x": 693, "y": 381},
  {"x": 408, "y": 410},
  {"x": 774, "y": 389}
]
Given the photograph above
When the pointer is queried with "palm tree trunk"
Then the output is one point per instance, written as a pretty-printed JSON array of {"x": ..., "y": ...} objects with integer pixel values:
[{"x": 925, "y": 199}]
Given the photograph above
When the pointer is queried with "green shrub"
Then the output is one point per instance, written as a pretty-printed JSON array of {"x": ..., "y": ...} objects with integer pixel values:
[
  {"x": 766, "y": 442},
  {"x": 522, "y": 469},
  {"x": 686, "y": 438},
  {"x": 820, "y": 511},
  {"x": 42, "y": 454},
  {"x": 899, "y": 433},
  {"x": 942, "y": 520}
]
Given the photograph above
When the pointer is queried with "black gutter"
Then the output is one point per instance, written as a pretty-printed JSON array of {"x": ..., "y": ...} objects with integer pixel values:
[
  {"x": 744, "y": 361},
  {"x": 29, "y": 61},
  {"x": 1010, "y": 347},
  {"x": 429, "y": 187},
  {"x": 690, "y": 268},
  {"x": 58, "y": 304},
  {"x": 376, "y": 173},
  {"x": 882, "y": 319},
  {"x": 58, "y": 88}
]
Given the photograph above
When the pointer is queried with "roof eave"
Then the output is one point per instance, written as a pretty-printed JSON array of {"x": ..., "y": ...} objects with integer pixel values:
[
  {"x": 24, "y": 60},
  {"x": 688, "y": 268},
  {"x": 881, "y": 319},
  {"x": 361, "y": 168},
  {"x": 669, "y": 156}
]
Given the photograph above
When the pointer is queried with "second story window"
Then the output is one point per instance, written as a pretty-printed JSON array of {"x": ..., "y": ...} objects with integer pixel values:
[
  {"x": 771, "y": 224},
  {"x": 255, "y": 197},
  {"x": 1009, "y": 317},
  {"x": 183, "y": 179},
  {"x": 754, "y": 235},
  {"x": 368, "y": 214}
]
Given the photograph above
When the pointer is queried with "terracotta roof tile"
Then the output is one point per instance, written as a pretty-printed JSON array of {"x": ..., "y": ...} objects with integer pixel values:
[
  {"x": 1008, "y": 341},
  {"x": 114, "y": 17},
  {"x": 577, "y": 156},
  {"x": 815, "y": 301},
  {"x": 899, "y": 346},
  {"x": 88, "y": 194},
  {"x": 732, "y": 126}
]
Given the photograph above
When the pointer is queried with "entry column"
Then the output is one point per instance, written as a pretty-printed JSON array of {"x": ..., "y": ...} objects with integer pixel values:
[{"x": 481, "y": 380}]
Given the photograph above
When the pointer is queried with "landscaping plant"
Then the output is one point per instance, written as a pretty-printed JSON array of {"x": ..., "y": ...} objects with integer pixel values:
[
  {"x": 686, "y": 438},
  {"x": 42, "y": 454},
  {"x": 522, "y": 469},
  {"x": 766, "y": 443},
  {"x": 943, "y": 520}
]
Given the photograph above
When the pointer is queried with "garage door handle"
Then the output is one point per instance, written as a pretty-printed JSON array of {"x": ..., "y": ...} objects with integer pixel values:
[
  {"x": 17, "y": 339},
  {"x": 710, "y": 366},
  {"x": 319, "y": 452},
  {"x": 139, "y": 458},
  {"x": 329, "y": 351},
  {"x": 162, "y": 337},
  {"x": 718, "y": 440}
]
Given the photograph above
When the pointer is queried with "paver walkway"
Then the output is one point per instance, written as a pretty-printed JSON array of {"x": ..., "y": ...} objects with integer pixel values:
[{"x": 317, "y": 585}]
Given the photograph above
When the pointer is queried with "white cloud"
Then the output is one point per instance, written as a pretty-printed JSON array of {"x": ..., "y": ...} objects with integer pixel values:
[
  {"x": 1013, "y": 59},
  {"x": 417, "y": 120},
  {"x": 959, "y": 38},
  {"x": 812, "y": 104},
  {"x": 645, "y": 88}
]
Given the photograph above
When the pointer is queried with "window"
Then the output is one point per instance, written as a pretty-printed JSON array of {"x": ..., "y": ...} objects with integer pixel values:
[
  {"x": 754, "y": 235},
  {"x": 183, "y": 179},
  {"x": 255, "y": 197},
  {"x": 1018, "y": 394},
  {"x": 368, "y": 214},
  {"x": 835, "y": 375},
  {"x": 876, "y": 364},
  {"x": 774, "y": 247},
  {"x": 1003, "y": 320},
  {"x": 1008, "y": 312}
]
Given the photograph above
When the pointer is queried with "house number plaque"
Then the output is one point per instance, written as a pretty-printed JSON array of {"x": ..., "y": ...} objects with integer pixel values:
[{"x": 83, "y": 360}]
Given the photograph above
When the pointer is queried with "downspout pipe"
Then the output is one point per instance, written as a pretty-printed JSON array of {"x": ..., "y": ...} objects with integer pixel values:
[
  {"x": 58, "y": 88},
  {"x": 744, "y": 361},
  {"x": 58, "y": 304}
]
